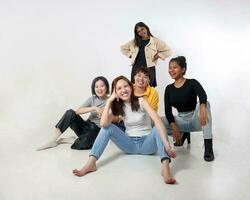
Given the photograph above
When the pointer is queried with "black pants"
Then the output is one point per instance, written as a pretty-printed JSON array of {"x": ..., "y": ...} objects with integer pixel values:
[
  {"x": 86, "y": 131},
  {"x": 152, "y": 74}
]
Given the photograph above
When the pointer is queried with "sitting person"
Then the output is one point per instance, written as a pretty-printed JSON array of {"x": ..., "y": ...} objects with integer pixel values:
[
  {"x": 143, "y": 89},
  {"x": 139, "y": 138},
  {"x": 192, "y": 116},
  {"x": 86, "y": 130}
]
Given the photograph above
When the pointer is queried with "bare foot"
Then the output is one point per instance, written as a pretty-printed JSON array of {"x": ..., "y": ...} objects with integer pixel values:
[
  {"x": 166, "y": 173},
  {"x": 89, "y": 167}
]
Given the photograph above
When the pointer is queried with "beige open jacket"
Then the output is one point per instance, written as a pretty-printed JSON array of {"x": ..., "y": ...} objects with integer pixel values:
[{"x": 154, "y": 46}]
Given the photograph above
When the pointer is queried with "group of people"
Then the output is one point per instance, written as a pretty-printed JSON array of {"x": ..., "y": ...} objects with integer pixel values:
[{"x": 128, "y": 116}]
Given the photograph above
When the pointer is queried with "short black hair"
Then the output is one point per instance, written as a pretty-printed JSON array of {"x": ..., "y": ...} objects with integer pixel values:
[
  {"x": 181, "y": 61},
  {"x": 144, "y": 70},
  {"x": 105, "y": 81}
]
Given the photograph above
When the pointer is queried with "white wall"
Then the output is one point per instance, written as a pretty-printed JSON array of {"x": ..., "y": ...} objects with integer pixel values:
[{"x": 51, "y": 50}]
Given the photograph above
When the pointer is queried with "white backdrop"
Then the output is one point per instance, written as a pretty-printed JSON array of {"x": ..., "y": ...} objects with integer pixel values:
[{"x": 51, "y": 50}]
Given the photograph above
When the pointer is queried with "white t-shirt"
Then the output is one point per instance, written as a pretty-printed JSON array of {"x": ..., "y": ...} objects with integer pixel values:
[{"x": 137, "y": 123}]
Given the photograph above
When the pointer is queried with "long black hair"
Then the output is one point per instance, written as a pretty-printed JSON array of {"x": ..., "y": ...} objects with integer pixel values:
[
  {"x": 104, "y": 80},
  {"x": 137, "y": 39}
]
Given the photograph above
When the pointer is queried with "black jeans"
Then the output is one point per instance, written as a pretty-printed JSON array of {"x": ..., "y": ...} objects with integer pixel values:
[{"x": 86, "y": 131}]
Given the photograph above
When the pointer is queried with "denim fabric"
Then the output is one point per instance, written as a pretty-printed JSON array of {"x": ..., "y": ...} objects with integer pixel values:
[
  {"x": 189, "y": 122},
  {"x": 145, "y": 145}
]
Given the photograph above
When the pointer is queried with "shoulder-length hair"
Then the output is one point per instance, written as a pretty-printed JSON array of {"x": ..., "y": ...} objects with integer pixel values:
[
  {"x": 104, "y": 80},
  {"x": 138, "y": 39},
  {"x": 117, "y": 106}
]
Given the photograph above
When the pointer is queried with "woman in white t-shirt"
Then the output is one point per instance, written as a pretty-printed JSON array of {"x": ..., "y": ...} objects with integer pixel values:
[{"x": 140, "y": 137}]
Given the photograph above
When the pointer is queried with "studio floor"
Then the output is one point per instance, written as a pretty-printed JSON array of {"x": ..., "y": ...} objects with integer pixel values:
[{"x": 27, "y": 174}]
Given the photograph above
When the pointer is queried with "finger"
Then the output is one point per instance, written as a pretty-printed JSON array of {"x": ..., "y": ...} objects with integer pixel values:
[{"x": 204, "y": 121}]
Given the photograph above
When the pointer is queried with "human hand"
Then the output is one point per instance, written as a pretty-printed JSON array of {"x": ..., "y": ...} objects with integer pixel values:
[
  {"x": 99, "y": 112},
  {"x": 203, "y": 115},
  {"x": 156, "y": 56},
  {"x": 113, "y": 96},
  {"x": 176, "y": 135},
  {"x": 171, "y": 152}
]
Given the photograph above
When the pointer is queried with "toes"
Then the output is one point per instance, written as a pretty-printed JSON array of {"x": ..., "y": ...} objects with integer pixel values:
[{"x": 171, "y": 181}]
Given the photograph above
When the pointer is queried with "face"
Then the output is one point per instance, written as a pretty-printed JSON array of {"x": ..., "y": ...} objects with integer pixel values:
[
  {"x": 175, "y": 71},
  {"x": 123, "y": 90},
  {"x": 141, "y": 80},
  {"x": 100, "y": 88},
  {"x": 142, "y": 32}
]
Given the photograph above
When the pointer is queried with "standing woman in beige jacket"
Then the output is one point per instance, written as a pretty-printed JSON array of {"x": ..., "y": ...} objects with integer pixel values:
[{"x": 144, "y": 50}]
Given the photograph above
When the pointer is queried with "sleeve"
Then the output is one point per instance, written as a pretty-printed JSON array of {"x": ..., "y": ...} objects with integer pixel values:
[
  {"x": 199, "y": 91},
  {"x": 88, "y": 102},
  {"x": 125, "y": 49},
  {"x": 163, "y": 50},
  {"x": 155, "y": 101},
  {"x": 168, "y": 108}
]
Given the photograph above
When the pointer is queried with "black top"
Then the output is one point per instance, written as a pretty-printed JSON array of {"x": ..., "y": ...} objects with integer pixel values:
[
  {"x": 140, "y": 58},
  {"x": 184, "y": 99}
]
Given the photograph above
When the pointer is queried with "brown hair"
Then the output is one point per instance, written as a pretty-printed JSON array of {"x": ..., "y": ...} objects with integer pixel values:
[
  {"x": 137, "y": 38},
  {"x": 117, "y": 106}
]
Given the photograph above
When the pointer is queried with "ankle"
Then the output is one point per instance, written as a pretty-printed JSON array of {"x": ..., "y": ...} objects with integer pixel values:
[
  {"x": 208, "y": 153},
  {"x": 91, "y": 161}
]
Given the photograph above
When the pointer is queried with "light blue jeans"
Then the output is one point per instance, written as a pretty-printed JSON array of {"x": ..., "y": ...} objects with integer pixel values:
[
  {"x": 145, "y": 145},
  {"x": 189, "y": 122}
]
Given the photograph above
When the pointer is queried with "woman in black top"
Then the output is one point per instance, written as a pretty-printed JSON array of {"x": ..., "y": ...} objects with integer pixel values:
[{"x": 192, "y": 116}]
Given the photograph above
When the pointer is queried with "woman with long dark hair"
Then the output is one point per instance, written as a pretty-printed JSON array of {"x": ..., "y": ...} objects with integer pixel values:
[
  {"x": 140, "y": 137},
  {"x": 144, "y": 50}
]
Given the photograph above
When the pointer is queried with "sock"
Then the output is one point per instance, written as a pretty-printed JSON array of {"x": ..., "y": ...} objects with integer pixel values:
[
  {"x": 52, "y": 142},
  {"x": 69, "y": 140}
]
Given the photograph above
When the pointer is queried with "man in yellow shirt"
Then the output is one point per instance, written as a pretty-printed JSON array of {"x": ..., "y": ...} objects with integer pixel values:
[{"x": 143, "y": 89}]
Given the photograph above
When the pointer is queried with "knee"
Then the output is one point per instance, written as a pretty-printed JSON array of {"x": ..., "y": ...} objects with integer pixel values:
[
  {"x": 111, "y": 129},
  {"x": 107, "y": 130},
  {"x": 70, "y": 112}
]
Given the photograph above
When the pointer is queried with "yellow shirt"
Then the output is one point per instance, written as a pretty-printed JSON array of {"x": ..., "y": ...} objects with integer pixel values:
[{"x": 152, "y": 97}]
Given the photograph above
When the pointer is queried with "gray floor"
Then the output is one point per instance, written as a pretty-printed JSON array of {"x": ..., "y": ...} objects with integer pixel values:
[{"x": 30, "y": 175}]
